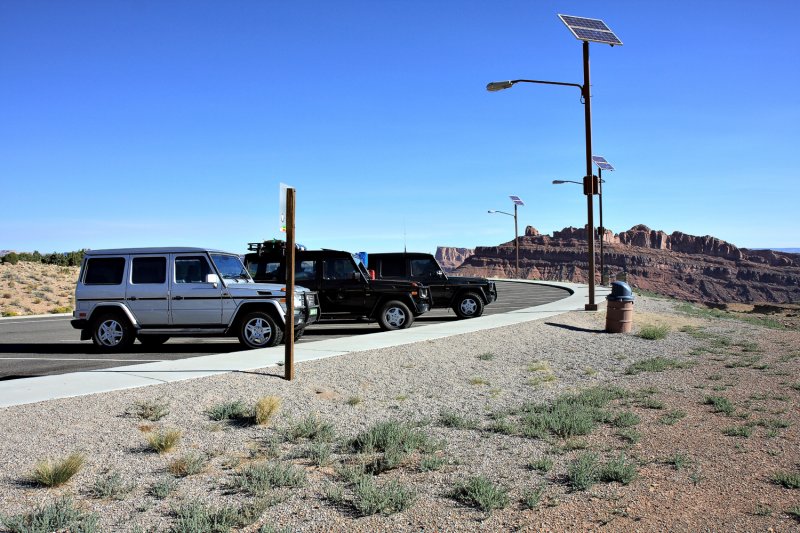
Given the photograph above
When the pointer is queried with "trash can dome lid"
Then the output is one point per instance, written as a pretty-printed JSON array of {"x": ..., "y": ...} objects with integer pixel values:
[{"x": 621, "y": 291}]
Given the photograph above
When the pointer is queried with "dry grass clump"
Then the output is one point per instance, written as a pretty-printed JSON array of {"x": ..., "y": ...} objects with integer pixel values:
[
  {"x": 266, "y": 408},
  {"x": 164, "y": 440},
  {"x": 53, "y": 473}
]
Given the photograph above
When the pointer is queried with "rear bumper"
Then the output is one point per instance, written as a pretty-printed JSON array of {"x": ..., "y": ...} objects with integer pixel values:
[{"x": 79, "y": 323}]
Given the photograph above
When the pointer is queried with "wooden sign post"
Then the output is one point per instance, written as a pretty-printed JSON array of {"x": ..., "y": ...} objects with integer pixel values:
[{"x": 288, "y": 333}]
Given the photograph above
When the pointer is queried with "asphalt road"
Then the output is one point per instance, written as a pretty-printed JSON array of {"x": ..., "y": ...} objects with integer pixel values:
[{"x": 49, "y": 345}]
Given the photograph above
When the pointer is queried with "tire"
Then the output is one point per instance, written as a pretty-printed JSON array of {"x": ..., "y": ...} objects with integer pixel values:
[
  {"x": 259, "y": 330},
  {"x": 468, "y": 305},
  {"x": 153, "y": 340},
  {"x": 111, "y": 332},
  {"x": 395, "y": 315}
]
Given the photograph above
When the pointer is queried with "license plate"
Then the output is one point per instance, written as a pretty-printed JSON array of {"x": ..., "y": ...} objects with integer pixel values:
[{"x": 312, "y": 311}]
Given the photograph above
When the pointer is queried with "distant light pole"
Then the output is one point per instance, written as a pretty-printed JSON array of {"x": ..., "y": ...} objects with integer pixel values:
[
  {"x": 517, "y": 203},
  {"x": 602, "y": 164},
  {"x": 600, "y": 182},
  {"x": 586, "y": 30}
]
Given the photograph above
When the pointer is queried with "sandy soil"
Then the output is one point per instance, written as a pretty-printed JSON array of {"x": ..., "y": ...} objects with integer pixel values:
[
  {"x": 35, "y": 288},
  {"x": 697, "y": 467}
]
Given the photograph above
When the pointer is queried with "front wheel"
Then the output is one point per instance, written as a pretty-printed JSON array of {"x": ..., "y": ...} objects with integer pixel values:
[
  {"x": 468, "y": 305},
  {"x": 112, "y": 332},
  {"x": 259, "y": 330},
  {"x": 395, "y": 315}
]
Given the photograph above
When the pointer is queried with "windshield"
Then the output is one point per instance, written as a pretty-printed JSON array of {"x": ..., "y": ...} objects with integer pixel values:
[{"x": 231, "y": 267}]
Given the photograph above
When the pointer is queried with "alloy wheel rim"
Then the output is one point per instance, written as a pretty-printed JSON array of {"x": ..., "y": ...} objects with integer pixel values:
[
  {"x": 395, "y": 317},
  {"x": 469, "y": 306},
  {"x": 257, "y": 331},
  {"x": 110, "y": 333}
]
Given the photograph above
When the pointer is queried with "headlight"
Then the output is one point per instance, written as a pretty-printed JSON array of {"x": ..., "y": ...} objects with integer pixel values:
[{"x": 299, "y": 301}]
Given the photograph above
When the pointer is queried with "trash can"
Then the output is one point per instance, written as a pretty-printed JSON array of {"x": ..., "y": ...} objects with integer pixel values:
[{"x": 619, "y": 313}]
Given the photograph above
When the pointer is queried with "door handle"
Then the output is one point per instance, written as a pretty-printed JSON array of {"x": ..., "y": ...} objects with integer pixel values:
[
  {"x": 133, "y": 298},
  {"x": 177, "y": 297}
]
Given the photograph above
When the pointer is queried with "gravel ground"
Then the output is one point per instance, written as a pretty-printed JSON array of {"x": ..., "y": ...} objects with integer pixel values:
[{"x": 725, "y": 484}]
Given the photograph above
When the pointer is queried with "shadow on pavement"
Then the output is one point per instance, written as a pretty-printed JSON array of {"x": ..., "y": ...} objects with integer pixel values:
[
  {"x": 574, "y": 328},
  {"x": 50, "y": 348}
]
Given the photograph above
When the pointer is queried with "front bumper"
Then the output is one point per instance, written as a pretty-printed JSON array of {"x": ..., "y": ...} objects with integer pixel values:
[{"x": 310, "y": 313}]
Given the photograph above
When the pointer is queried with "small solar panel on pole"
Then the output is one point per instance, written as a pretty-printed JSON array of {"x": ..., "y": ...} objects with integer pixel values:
[{"x": 602, "y": 164}]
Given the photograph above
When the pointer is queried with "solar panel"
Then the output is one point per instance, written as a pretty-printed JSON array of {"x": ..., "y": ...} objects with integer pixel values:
[
  {"x": 516, "y": 200},
  {"x": 601, "y": 162},
  {"x": 594, "y": 30}
]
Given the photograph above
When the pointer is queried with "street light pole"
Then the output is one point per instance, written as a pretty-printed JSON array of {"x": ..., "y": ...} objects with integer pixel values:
[
  {"x": 589, "y": 188},
  {"x": 516, "y": 234}
]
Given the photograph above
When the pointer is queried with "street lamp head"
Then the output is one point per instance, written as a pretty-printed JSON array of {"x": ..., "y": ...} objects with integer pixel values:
[
  {"x": 499, "y": 85},
  {"x": 491, "y": 211},
  {"x": 558, "y": 182}
]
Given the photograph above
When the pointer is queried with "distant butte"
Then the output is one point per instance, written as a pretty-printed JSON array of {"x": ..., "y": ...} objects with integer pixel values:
[{"x": 688, "y": 267}]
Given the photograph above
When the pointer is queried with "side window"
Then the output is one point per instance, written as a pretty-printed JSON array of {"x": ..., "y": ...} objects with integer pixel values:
[
  {"x": 104, "y": 271},
  {"x": 342, "y": 268},
  {"x": 190, "y": 269},
  {"x": 305, "y": 270},
  {"x": 393, "y": 268},
  {"x": 272, "y": 272},
  {"x": 148, "y": 270},
  {"x": 423, "y": 268}
]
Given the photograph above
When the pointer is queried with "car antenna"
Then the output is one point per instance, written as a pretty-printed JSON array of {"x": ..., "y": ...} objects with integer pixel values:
[{"x": 405, "y": 250}]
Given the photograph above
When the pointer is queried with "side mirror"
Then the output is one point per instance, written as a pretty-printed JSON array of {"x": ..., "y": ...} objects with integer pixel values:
[{"x": 212, "y": 279}]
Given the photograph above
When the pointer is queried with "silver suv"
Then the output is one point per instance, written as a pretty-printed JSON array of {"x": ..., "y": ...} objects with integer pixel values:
[{"x": 152, "y": 294}]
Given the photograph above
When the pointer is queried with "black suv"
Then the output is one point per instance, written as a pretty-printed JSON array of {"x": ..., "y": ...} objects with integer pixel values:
[
  {"x": 343, "y": 283},
  {"x": 466, "y": 296}
]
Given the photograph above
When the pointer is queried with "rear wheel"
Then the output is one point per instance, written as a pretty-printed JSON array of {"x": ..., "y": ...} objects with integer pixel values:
[
  {"x": 112, "y": 332},
  {"x": 468, "y": 305},
  {"x": 259, "y": 330},
  {"x": 395, "y": 315},
  {"x": 153, "y": 340}
]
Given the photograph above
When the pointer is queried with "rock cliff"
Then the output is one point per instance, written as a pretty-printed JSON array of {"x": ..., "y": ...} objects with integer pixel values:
[
  {"x": 451, "y": 258},
  {"x": 703, "y": 269}
]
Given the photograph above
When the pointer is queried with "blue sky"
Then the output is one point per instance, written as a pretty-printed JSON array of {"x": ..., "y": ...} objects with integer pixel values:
[{"x": 144, "y": 123}]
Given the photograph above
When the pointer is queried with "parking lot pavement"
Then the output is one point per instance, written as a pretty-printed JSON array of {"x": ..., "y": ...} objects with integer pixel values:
[{"x": 49, "y": 345}]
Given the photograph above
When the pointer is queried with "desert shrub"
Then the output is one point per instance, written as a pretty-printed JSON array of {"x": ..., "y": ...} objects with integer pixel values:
[
  {"x": 671, "y": 417},
  {"x": 235, "y": 410},
  {"x": 188, "y": 465},
  {"x": 312, "y": 428},
  {"x": 481, "y": 493},
  {"x": 738, "y": 431},
  {"x": 653, "y": 332},
  {"x": 789, "y": 480},
  {"x": 259, "y": 478},
  {"x": 626, "y": 419},
  {"x": 618, "y": 469},
  {"x": 451, "y": 419},
  {"x": 111, "y": 486},
  {"x": 60, "y": 309},
  {"x": 319, "y": 453},
  {"x": 163, "y": 440},
  {"x": 60, "y": 515},
  {"x": 570, "y": 414},
  {"x": 152, "y": 410},
  {"x": 195, "y": 517},
  {"x": 266, "y": 408},
  {"x": 11, "y": 258},
  {"x": 542, "y": 465},
  {"x": 720, "y": 404},
  {"x": 532, "y": 497},
  {"x": 370, "y": 498},
  {"x": 431, "y": 462},
  {"x": 655, "y": 364},
  {"x": 583, "y": 472},
  {"x": 52, "y": 473},
  {"x": 163, "y": 488}
]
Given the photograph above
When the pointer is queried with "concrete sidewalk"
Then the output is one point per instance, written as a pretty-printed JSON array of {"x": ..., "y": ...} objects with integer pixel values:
[{"x": 30, "y": 390}]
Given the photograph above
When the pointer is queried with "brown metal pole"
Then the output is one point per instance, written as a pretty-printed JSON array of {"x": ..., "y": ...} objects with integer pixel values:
[
  {"x": 587, "y": 101},
  {"x": 602, "y": 229},
  {"x": 288, "y": 334},
  {"x": 516, "y": 237}
]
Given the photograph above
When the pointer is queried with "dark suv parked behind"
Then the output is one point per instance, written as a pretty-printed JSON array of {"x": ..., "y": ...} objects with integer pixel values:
[
  {"x": 466, "y": 296},
  {"x": 344, "y": 285}
]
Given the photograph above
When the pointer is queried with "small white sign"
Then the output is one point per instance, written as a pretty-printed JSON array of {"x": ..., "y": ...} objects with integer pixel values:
[{"x": 282, "y": 202}]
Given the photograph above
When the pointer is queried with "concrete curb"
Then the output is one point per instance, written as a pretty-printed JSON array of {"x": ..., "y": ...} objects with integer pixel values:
[
  {"x": 31, "y": 390},
  {"x": 48, "y": 315}
]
